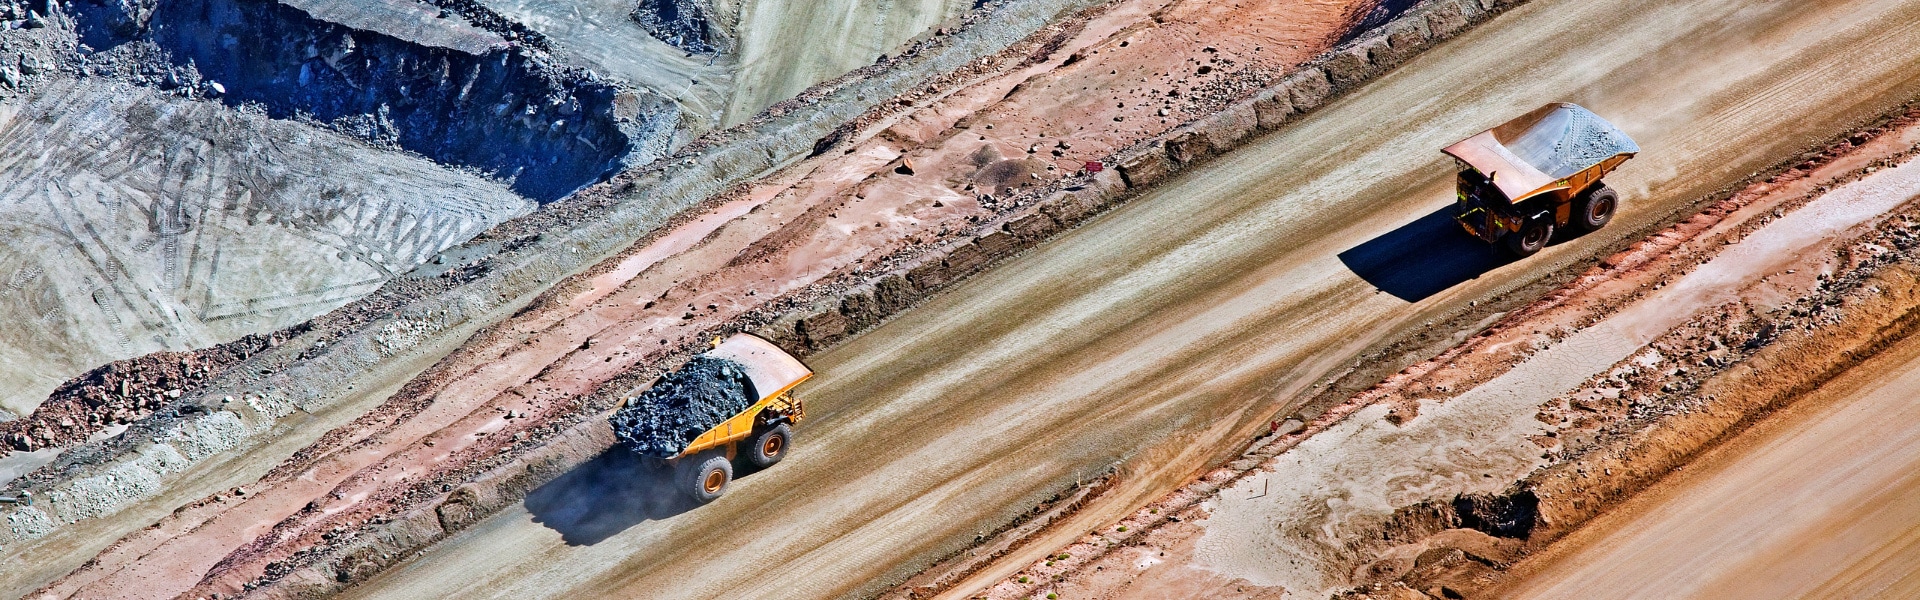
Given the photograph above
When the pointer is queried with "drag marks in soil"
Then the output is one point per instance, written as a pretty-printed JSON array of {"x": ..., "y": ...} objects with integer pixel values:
[{"x": 153, "y": 223}]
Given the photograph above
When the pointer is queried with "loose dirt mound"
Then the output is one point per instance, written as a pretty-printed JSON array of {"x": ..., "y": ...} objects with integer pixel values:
[{"x": 665, "y": 418}]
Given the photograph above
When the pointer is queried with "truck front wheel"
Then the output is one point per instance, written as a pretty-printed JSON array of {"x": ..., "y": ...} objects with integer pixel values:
[
  {"x": 1530, "y": 239},
  {"x": 708, "y": 478},
  {"x": 1595, "y": 209},
  {"x": 770, "y": 445}
]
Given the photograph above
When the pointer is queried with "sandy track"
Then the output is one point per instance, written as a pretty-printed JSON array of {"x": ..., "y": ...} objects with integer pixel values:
[
  {"x": 1819, "y": 501},
  {"x": 1157, "y": 332}
]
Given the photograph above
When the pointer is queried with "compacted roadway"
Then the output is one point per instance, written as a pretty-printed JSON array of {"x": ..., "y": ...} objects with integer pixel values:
[
  {"x": 1159, "y": 336},
  {"x": 1819, "y": 501}
]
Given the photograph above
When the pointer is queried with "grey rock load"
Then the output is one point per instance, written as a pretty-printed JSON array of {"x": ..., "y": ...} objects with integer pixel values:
[{"x": 661, "y": 421}]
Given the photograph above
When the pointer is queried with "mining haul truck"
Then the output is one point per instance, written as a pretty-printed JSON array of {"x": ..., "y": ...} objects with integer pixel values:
[
  {"x": 761, "y": 434},
  {"x": 1524, "y": 179}
]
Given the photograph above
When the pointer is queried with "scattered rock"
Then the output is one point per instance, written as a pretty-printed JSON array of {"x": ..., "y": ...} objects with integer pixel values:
[{"x": 661, "y": 421}]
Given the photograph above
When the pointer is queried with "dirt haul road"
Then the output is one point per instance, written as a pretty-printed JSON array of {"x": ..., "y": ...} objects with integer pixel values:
[
  {"x": 804, "y": 224},
  {"x": 1819, "y": 501},
  {"x": 1158, "y": 334}
]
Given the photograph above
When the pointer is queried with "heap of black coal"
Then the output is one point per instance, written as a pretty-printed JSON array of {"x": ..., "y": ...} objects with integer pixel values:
[{"x": 684, "y": 404}]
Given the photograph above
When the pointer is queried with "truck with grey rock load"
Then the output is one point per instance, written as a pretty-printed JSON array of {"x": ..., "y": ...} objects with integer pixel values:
[
  {"x": 1521, "y": 181},
  {"x": 730, "y": 403}
]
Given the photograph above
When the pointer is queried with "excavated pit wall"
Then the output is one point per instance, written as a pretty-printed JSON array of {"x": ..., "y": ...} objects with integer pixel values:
[
  {"x": 684, "y": 24},
  {"x": 41, "y": 53},
  {"x": 138, "y": 222},
  {"x": 846, "y": 307},
  {"x": 471, "y": 101},
  {"x": 438, "y": 304}
]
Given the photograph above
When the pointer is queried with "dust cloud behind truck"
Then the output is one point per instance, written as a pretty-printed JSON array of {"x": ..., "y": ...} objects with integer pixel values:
[{"x": 1524, "y": 179}]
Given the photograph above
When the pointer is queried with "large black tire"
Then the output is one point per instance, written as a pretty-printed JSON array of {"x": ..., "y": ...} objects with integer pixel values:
[
  {"x": 769, "y": 445},
  {"x": 707, "y": 476},
  {"x": 1595, "y": 209},
  {"x": 1530, "y": 238}
]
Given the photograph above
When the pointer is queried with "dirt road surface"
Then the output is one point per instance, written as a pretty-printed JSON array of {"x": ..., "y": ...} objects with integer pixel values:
[
  {"x": 1156, "y": 334},
  {"x": 1331, "y": 487},
  {"x": 1819, "y": 501},
  {"x": 803, "y": 225}
]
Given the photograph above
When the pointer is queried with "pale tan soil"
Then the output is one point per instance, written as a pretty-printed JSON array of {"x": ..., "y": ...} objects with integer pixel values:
[
  {"x": 803, "y": 226},
  {"x": 1332, "y": 488},
  {"x": 1148, "y": 334},
  {"x": 1305, "y": 521},
  {"x": 1818, "y": 501}
]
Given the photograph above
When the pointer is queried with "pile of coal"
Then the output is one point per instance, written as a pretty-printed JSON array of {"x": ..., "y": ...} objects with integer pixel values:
[{"x": 684, "y": 404}]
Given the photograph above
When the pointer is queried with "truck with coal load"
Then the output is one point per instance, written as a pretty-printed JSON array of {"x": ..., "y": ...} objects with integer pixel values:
[
  {"x": 730, "y": 403},
  {"x": 1524, "y": 179}
]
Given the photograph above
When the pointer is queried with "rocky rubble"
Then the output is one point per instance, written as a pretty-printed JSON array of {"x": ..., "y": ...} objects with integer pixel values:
[
  {"x": 661, "y": 421},
  {"x": 485, "y": 18},
  {"x": 33, "y": 47},
  {"x": 126, "y": 391},
  {"x": 684, "y": 24},
  {"x": 508, "y": 110}
]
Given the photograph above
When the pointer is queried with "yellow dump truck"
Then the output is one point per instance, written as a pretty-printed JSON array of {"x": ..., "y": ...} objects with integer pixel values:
[
  {"x": 1524, "y": 179},
  {"x": 762, "y": 433}
]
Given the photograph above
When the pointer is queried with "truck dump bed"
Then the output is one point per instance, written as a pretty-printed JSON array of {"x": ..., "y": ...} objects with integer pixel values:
[
  {"x": 772, "y": 370},
  {"x": 1538, "y": 151},
  {"x": 773, "y": 373},
  {"x": 715, "y": 398}
]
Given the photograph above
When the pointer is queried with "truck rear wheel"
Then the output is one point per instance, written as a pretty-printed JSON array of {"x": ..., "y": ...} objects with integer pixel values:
[
  {"x": 1595, "y": 209},
  {"x": 1530, "y": 239},
  {"x": 769, "y": 446},
  {"x": 708, "y": 477}
]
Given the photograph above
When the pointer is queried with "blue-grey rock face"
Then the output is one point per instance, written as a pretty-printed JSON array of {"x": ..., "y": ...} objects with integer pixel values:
[{"x": 463, "y": 98}]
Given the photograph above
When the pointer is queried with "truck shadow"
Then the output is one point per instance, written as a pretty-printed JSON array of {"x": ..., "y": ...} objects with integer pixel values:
[
  {"x": 1423, "y": 258},
  {"x": 609, "y": 494}
]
